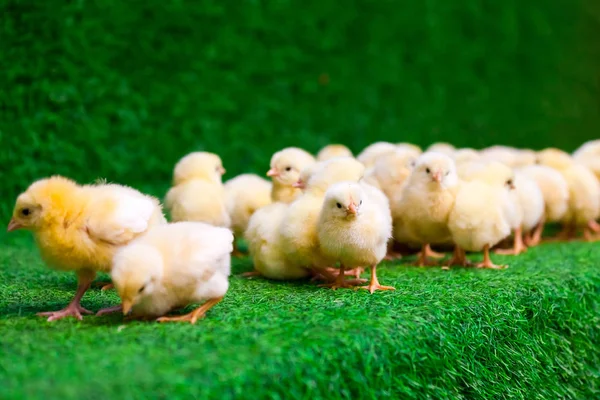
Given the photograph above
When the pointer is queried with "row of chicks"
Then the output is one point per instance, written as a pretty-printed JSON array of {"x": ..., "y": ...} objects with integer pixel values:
[
  {"x": 333, "y": 209},
  {"x": 316, "y": 213}
]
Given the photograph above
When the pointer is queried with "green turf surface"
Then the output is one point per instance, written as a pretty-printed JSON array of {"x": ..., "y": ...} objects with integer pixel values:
[{"x": 531, "y": 332}]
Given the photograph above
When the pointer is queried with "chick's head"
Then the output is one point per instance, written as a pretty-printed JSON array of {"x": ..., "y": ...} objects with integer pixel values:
[
  {"x": 287, "y": 164},
  {"x": 554, "y": 158},
  {"x": 198, "y": 165},
  {"x": 344, "y": 200},
  {"x": 333, "y": 171},
  {"x": 496, "y": 174},
  {"x": 43, "y": 202},
  {"x": 136, "y": 271},
  {"x": 332, "y": 151},
  {"x": 436, "y": 170},
  {"x": 305, "y": 175}
]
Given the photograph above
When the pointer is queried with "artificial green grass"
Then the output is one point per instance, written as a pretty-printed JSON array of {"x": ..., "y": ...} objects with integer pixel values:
[{"x": 531, "y": 332}]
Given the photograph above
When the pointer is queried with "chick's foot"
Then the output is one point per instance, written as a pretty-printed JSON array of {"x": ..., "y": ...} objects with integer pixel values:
[
  {"x": 109, "y": 310},
  {"x": 487, "y": 261},
  {"x": 341, "y": 282},
  {"x": 393, "y": 255},
  {"x": 459, "y": 257},
  {"x": 251, "y": 274},
  {"x": 107, "y": 287},
  {"x": 424, "y": 255},
  {"x": 518, "y": 245},
  {"x": 374, "y": 283},
  {"x": 72, "y": 310},
  {"x": 192, "y": 317}
]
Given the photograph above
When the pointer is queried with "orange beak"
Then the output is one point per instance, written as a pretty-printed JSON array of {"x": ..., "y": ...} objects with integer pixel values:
[
  {"x": 437, "y": 177},
  {"x": 273, "y": 172},
  {"x": 511, "y": 186},
  {"x": 126, "y": 307},
  {"x": 299, "y": 185},
  {"x": 222, "y": 170},
  {"x": 13, "y": 226},
  {"x": 351, "y": 209}
]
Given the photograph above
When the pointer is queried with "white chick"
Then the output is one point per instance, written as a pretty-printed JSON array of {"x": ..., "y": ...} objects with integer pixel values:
[
  {"x": 441, "y": 147},
  {"x": 286, "y": 166},
  {"x": 584, "y": 194},
  {"x": 426, "y": 202},
  {"x": 530, "y": 204},
  {"x": 245, "y": 194},
  {"x": 197, "y": 193},
  {"x": 478, "y": 220},
  {"x": 354, "y": 231},
  {"x": 589, "y": 155},
  {"x": 556, "y": 198},
  {"x": 172, "y": 266},
  {"x": 332, "y": 151},
  {"x": 299, "y": 227},
  {"x": 371, "y": 153}
]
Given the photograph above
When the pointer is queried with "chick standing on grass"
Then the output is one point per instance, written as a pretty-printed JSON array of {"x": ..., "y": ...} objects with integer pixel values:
[
  {"x": 584, "y": 194},
  {"x": 479, "y": 218},
  {"x": 79, "y": 228},
  {"x": 332, "y": 151},
  {"x": 172, "y": 266},
  {"x": 556, "y": 198},
  {"x": 426, "y": 202},
  {"x": 298, "y": 229},
  {"x": 354, "y": 231},
  {"x": 245, "y": 194},
  {"x": 286, "y": 166},
  {"x": 197, "y": 193}
]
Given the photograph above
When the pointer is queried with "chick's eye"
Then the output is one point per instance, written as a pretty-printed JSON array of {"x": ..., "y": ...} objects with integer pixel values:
[
  {"x": 447, "y": 173},
  {"x": 509, "y": 182},
  {"x": 338, "y": 205},
  {"x": 428, "y": 170},
  {"x": 288, "y": 168},
  {"x": 142, "y": 289},
  {"x": 360, "y": 203},
  {"x": 25, "y": 211}
]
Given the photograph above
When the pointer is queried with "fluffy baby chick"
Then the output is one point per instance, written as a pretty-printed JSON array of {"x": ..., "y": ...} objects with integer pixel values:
[
  {"x": 299, "y": 227},
  {"x": 410, "y": 147},
  {"x": 465, "y": 155},
  {"x": 172, "y": 266},
  {"x": 79, "y": 228},
  {"x": 584, "y": 193},
  {"x": 286, "y": 166},
  {"x": 479, "y": 218},
  {"x": 371, "y": 153},
  {"x": 245, "y": 194},
  {"x": 427, "y": 200},
  {"x": 332, "y": 151},
  {"x": 305, "y": 175},
  {"x": 197, "y": 193},
  {"x": 589, "y": 155},
  {"x": 391, "y": 171},
  {"x": 354, "y": 231},
  {"x": 556, "y": 198},
  {"x": 441, "y": 147},
  {"x": 529, "y": 201}
]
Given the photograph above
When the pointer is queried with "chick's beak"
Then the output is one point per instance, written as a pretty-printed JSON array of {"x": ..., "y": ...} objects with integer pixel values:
[
  {"x": 511, "y": 186},
  {"x": 126, "y": 306},
  {"x": 222, "y": 170},
  {"x": 437, "y": 177},
  {"x": 351, "y": 209},
  {"x": 299, "y": 185},
  {"x": 13, "y": 225},
  {"x": 273, "y": 172}
]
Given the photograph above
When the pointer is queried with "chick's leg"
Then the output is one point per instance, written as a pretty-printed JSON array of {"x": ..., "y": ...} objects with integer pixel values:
[
  {"x": 341, "y": 282},
  {"x": 536, "y": 235},
  {"x": 518, "y": 245},
  {"x": 109, "y": 310},
  {"x": 424, "y": 255},
  {"x": 588, "y": 234},
  {"x": 487, "y": 261},
  {"x": 459, "y": 257},
  {"x": 74, "y": 309},
  {"x": 374, "y": 284},
  {"x": 193, "y": 316}
]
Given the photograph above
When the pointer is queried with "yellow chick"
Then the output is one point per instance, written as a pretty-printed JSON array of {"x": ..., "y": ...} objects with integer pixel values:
[
  {"x": 286, "y": 166},
  {"x": 172, "y": 266},
  {"x": 426, "y": 202},
  {"x": 410, "y": 147},
  {"x": 556, "y": 198},
  {"x": 305, "y": 175},
  {"x": 441, "y": 147},
  {"x": 465, "y": 155},
  {"x": 197, "y": 193},
  {"x": 371, "y": 153},
  {"x": 299, "y": 227},
  {"x": 589, "y": 155},
  {"x": 391, "y": 171},
  {"x": 479, "y": 218},
  {"x": 332, "y": 151},
  {"x": 245, "y": 194},
  {"x": 584, "y": 193},
  {"x": 79, "y": 228},
  {"x": 354, "y": 231},
  {"x": 504, "y": 154}
]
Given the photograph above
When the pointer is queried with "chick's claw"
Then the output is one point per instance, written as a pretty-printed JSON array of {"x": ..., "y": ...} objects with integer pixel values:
[
  {"x": 373, "y": 286},
  {"x": 72, "y": 310}
]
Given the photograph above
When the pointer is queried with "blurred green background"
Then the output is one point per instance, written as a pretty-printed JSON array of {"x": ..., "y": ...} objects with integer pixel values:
[{"x": 123, "y": 89}]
